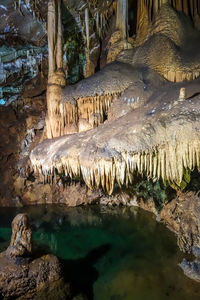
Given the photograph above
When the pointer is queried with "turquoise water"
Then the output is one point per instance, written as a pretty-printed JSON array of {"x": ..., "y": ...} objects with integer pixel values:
[{"x": 109, "y": 253}]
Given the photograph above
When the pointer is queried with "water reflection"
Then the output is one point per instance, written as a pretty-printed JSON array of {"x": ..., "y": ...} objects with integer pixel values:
[{"x": 109, "y": 253}]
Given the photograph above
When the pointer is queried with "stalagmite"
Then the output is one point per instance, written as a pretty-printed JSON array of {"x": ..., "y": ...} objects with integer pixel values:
[{"x": 182, "y": 94}]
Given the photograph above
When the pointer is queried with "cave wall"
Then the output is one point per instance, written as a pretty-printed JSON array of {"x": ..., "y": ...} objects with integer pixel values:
[{"x": 88, "y": 28}]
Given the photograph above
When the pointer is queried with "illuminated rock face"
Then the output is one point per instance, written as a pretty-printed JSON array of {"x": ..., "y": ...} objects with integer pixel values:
[
  {"x": 170, "y": 46},
  {"x": 158, "y": 139},
  {"x": 147, "y": 125},
  {"x": 147, "y": 11},
  {"x": 166, "y": 50}
]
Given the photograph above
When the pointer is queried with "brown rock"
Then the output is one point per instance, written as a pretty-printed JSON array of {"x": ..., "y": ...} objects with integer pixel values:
[
  {"x": 20, "y": 244},
  {"x": 27, "y": 278},
  {"x": 37, "y": 194},
  {"x": 116, "y": 45},
  {"x": 148, "y": 205},
  {"x": 182, "y": 216},
  {"x": 21, "y": 275}
]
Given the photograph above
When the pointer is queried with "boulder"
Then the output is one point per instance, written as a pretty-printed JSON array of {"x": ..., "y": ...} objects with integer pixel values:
[{"x": 22, "y": 272}]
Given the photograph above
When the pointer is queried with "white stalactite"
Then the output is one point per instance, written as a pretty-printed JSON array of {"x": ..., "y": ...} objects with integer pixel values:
[{"x": 165, "y": 161}]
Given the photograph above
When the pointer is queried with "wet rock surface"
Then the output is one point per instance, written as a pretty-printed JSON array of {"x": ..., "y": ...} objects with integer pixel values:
[
  {"x": 191, "y": 269},
  {"x": 182, "y": 216},
  {"x": 22, "y": 274},
  {"x": 18, "y": 279},
  {"x": 20, "y": 244}
]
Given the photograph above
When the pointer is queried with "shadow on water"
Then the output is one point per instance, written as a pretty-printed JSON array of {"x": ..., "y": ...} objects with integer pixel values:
[
  {"x": 81, "y": 273},
  {"x": 2, "y": 240}
]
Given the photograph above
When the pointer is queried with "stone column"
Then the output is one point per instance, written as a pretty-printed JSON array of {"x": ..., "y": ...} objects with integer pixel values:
[
  {"x": 51, "y": 29},
  {"x": 56, "y": 78},
  {"x": 122, "y": 17}
]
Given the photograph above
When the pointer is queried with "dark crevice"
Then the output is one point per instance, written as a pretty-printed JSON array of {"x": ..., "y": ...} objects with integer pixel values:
[{"x": 132, "y": 17}]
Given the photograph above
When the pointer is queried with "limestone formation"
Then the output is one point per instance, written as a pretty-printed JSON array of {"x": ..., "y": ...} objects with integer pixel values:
[
  {"x": 182, "y": 94},
  {"x": 86, "y": 104},
  {"x": 21, "y": 274},
  {"x": 166, "y": 47},
  {"x": 122, "y": 18},
  {"x": 148, "y": 10},
  {"x": 21, "y": 244},
  {"x": 56, "y": 80},
  {"x": 158, "y": 140},
  {"x": 181, "y": 216},
  {"x": 129, "y": 105},
  {"x": 142, "y": 130}
]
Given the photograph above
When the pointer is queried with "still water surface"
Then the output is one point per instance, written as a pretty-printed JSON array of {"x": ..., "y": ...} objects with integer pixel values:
[{"x": 109, "y": 253}]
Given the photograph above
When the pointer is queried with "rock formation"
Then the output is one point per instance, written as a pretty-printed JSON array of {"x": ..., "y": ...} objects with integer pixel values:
[
  {"x": 182, "y": 217},
  {"x": 21, "y": 244},
  {"x": 138, "y": 117},
  {"x": 146, "y": 132},
  {"x": 85, "y": 105},
  {"x": 22, "y": 275}
]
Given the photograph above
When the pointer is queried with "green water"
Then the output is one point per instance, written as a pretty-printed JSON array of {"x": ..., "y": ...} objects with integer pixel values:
[{"x": 118, "y": 253}]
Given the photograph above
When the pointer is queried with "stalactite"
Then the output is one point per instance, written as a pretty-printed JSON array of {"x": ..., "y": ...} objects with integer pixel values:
[
  {"x": 180, "y": 76},
  {"x": 97, "y": 24},
  {"x": 185, "y": 7},
  {"x": 87, "y": 113},
  {"x": 101, "y": 22},
  {"x": 56, "y": 80},
  {"x": 122, "y": 17},
  {"x": 167, "y": 162},
  {"x": 147, "y": 7},
  {"x": 52, "y": 37},
  {"x": 179, "y": 5},
  {"x": 142, "y": 22},
  {"x": 87, "y": 28},
  {"x": 59, "y": 49}
]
